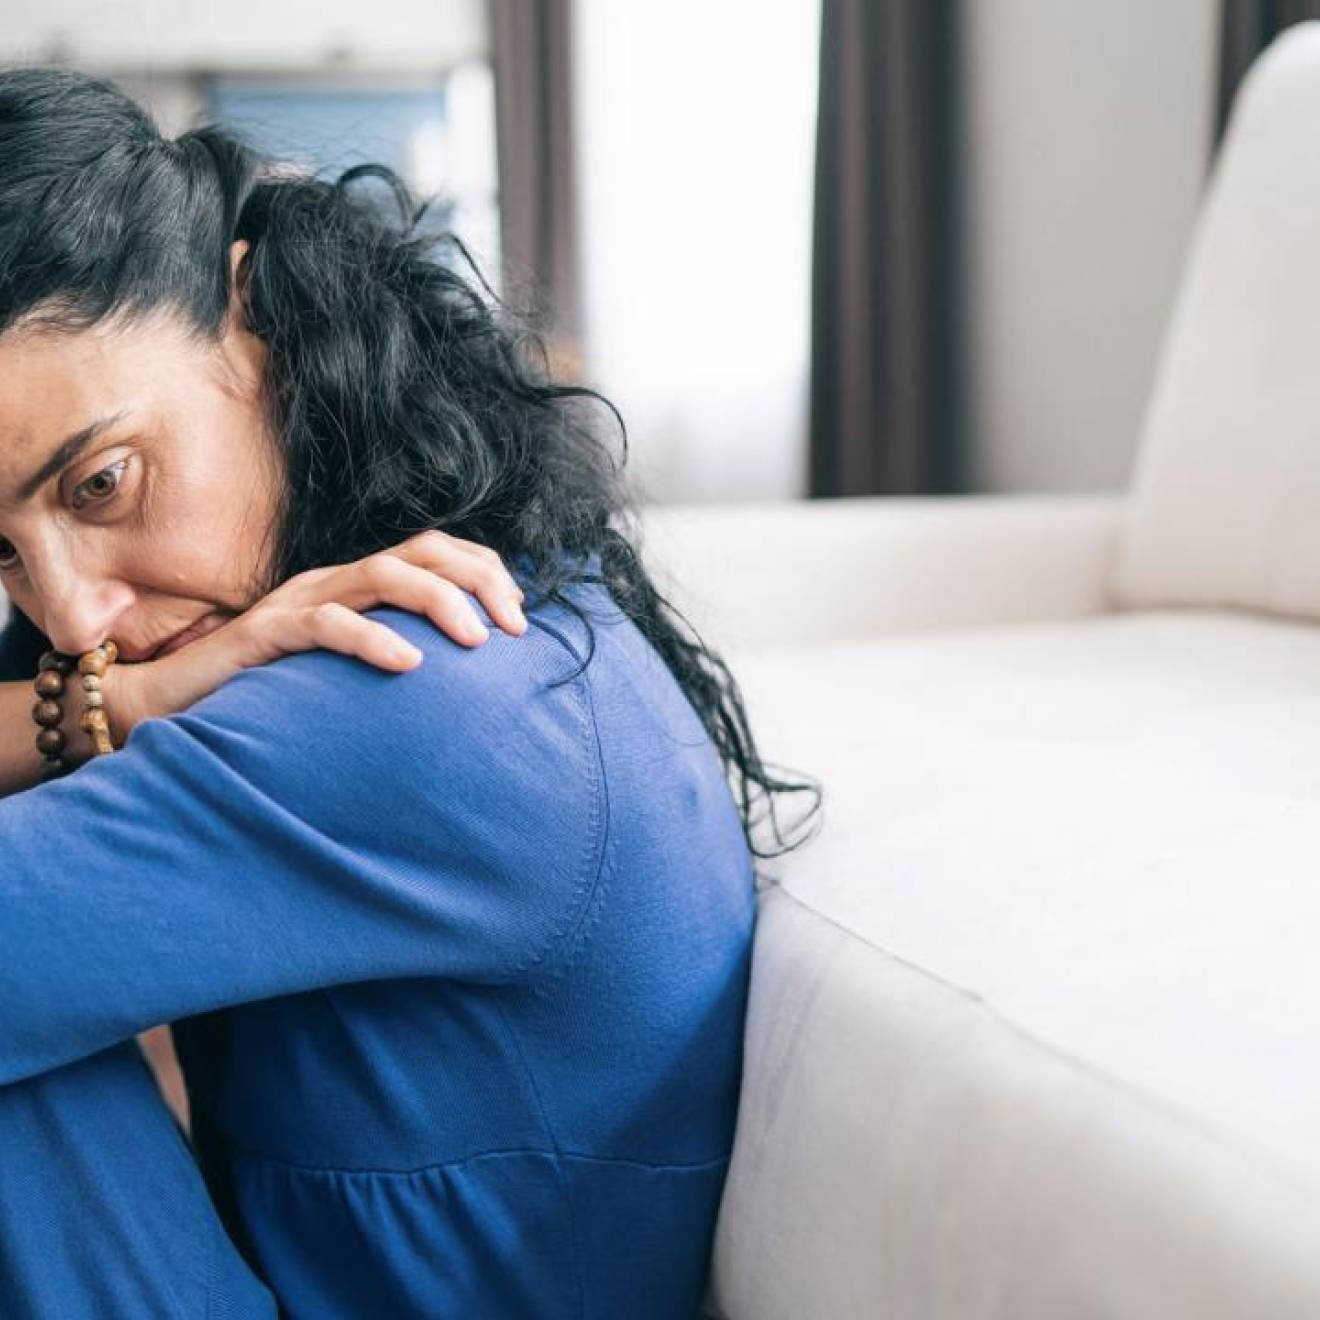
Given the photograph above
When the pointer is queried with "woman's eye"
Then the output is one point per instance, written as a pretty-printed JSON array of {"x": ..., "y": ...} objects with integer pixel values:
[
  {"x": 99, "y": 486},
  {"x": 8, "y": 553}
]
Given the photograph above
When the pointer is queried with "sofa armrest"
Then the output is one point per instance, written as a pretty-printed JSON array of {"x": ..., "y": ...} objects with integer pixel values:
[{"x": 751, "y": 575}]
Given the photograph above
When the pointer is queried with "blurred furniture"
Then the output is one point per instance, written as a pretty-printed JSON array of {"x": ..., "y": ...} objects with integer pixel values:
[{"x": 1035, "y": 1021}]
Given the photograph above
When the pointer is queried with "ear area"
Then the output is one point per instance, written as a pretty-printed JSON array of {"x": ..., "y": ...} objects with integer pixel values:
[
  {"x": 238, "y": 250},
  {"x": 236, "y": 314}
]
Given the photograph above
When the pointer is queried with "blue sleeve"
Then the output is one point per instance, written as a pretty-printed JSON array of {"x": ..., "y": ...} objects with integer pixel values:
[{"x": 314, "y": 821}]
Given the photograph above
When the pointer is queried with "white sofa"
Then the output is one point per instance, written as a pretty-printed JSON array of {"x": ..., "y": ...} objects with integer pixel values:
[{"x": 1035, "y": 1021}]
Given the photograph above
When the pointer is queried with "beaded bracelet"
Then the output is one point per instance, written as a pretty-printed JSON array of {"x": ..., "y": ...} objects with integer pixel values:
[{"x": 52, "y": 670}]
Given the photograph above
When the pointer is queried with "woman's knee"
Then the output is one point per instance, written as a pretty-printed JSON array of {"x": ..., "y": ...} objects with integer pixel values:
[{"x": 103, "y": 1210}]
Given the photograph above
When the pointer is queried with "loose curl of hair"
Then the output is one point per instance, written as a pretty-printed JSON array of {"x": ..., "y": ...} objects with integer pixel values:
[{"x": 404, "y": 396}]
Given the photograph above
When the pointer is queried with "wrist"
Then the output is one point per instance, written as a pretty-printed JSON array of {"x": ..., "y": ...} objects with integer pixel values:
[
  {"x": 77, "y": 745},
  {"x": 126, "y": 704}
]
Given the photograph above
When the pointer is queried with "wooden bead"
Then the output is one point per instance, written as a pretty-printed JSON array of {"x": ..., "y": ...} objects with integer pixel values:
[
  {"x": 57, "y": 661},
  {"x": 97, "y": 727},
  {"x": 50, "y": 742},
  {"x": 50, "y": 683},
  {"x": 52, "y": 668},
  {"x": 93, "y": 718},
  {"x": 47, "y": 713}
]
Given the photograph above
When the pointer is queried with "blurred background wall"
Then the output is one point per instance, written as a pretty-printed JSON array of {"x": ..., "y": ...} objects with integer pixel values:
[
  {"x": 1088, "y": 137},
  {"x": 322, "y": 84},
  {"x": 663, "y": 168}
]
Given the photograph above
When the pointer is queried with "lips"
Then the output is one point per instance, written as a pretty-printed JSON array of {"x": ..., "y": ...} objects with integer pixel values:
[{"x": 208, "y": 623}]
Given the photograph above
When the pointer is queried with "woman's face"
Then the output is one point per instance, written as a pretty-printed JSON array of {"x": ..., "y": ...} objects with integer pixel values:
[{"x": 138, "y": 482}]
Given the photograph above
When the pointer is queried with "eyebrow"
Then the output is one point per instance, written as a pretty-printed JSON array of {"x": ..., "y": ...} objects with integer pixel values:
[{"x": 65, "y": 454}]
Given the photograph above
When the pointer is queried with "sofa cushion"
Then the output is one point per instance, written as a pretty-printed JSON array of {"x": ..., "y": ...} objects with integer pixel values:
[
  {"x": 1033, "y": 1022},
  {"x": 1227, "y": 479}
]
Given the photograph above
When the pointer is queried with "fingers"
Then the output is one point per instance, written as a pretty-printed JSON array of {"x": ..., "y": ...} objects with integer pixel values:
[
  {"x": 393, "y": 581},
  {"x": 335, "y": 627},
  {"x": 427, "y": 574},
  {"x": 475, "y": 568}
]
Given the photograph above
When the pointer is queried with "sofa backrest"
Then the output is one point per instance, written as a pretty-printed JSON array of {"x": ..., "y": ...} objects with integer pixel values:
[{"x": 1225, "y": 500}]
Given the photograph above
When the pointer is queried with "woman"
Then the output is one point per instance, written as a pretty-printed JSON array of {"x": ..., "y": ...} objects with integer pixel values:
[{"x": 454, "y": 935}]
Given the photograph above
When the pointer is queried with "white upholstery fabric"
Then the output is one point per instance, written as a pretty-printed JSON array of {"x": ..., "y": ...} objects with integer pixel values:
[
  {"x": 1227, "y": 483},
  {"x": 1034, "y": 1021},
  {"x": 765, "y": 574}
]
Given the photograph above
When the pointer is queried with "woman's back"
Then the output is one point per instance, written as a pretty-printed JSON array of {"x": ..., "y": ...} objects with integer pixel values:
[{"x": 541, "y": 1127}]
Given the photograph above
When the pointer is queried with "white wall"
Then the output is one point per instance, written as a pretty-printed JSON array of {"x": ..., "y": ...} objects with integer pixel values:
[
  {"x": 159, "y": 52},
  {"x": 165, "y": 35},
  {"x": 697, "y": 136},
  {"x": 1088, "y": 128}
]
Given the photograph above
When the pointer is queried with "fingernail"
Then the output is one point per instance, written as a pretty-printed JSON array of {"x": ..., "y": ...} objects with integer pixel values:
[
  {"x": 404, "y": 653},
  {"x": 476, "y": 629}
]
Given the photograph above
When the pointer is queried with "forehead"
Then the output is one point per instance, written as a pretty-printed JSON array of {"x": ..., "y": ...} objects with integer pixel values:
[{"x": 53, "y": 383}]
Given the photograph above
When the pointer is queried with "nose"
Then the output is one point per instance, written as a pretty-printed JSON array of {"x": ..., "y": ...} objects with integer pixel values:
[{"x": 79, "y": 611}]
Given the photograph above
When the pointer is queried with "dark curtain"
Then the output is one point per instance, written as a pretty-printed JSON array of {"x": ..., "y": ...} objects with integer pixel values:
[
  {"x": 1246, "y": 27},
  {"x": 885, "y": 355},
  {"x": 531, "y": 50}
]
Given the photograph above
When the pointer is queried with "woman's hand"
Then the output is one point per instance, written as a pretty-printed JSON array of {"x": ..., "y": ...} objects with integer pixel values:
[{"x": 322, "y": 608}]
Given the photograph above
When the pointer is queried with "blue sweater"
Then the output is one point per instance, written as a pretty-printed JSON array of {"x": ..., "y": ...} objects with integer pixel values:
[{"x": 457, "y": 959}]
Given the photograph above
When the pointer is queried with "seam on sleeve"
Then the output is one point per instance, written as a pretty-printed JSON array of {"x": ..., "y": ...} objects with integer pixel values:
[
  {"x": 545, "y": 962},
  {"x": 584, "y": 871},
  {"x": 606, "y": 869},
  {"x": 442, "y": 1166}
]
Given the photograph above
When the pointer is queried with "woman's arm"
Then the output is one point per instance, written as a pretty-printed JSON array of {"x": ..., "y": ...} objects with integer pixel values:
[
  {"x": 312, "y": 822},
  {"x": 427, "y": 573},
  {"x": 21, "y": 646},
  {"x": 20, "y": 762}
]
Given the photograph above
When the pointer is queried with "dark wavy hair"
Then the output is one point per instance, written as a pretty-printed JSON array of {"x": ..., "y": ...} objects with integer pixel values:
[{"x": 404, "y": 396}]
